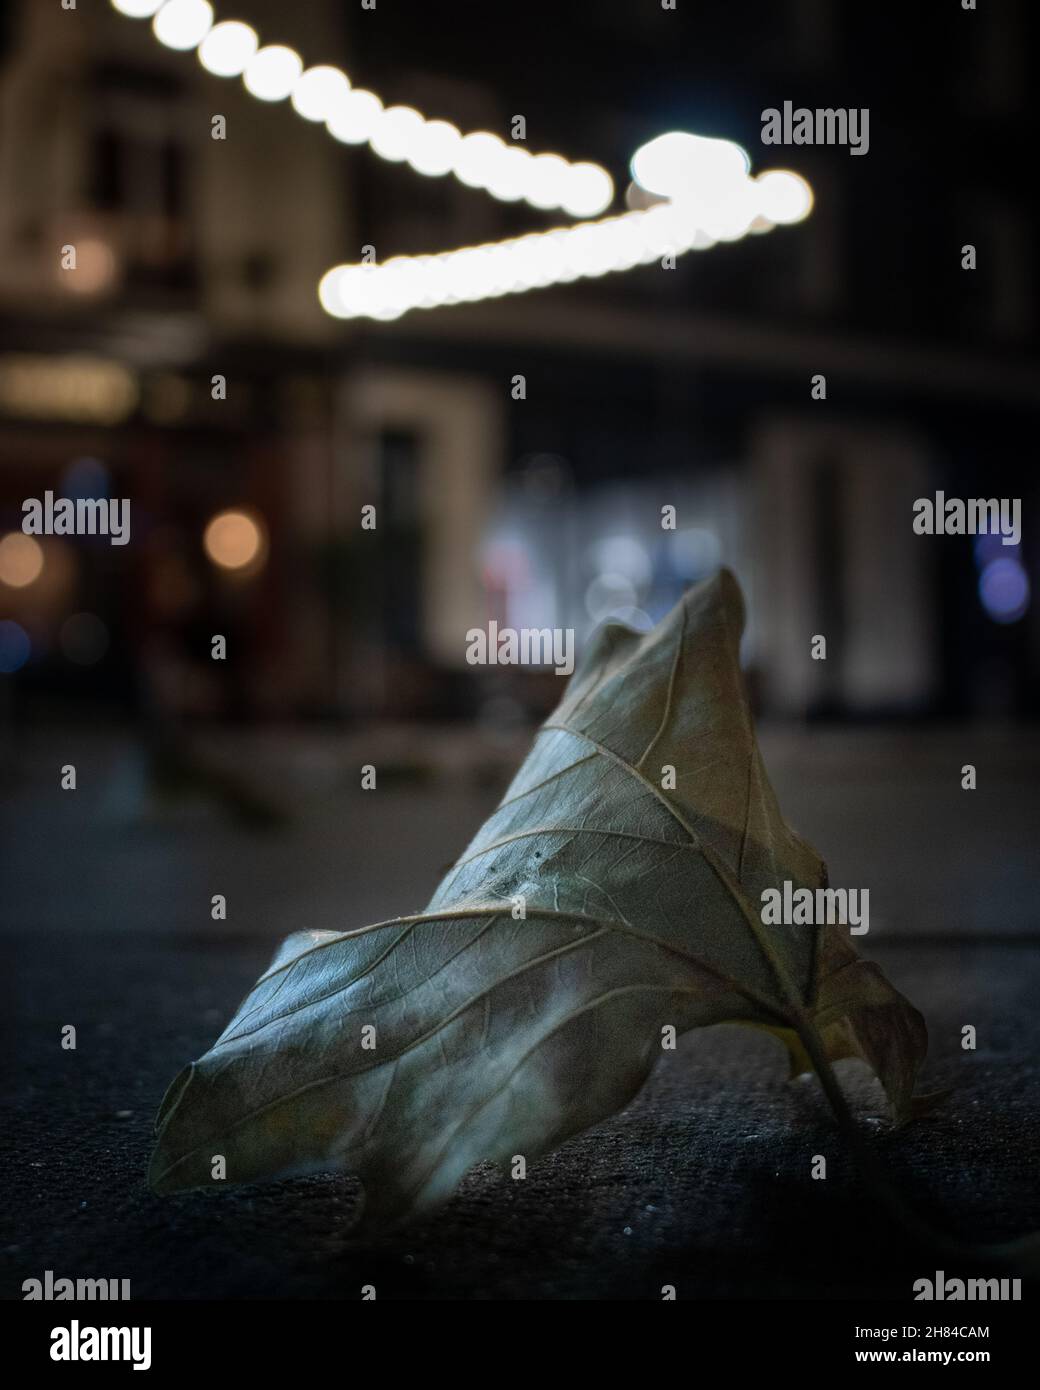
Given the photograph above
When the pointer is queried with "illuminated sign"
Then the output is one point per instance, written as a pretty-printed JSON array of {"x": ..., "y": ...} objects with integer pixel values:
[{"x": 74, "y": 388}]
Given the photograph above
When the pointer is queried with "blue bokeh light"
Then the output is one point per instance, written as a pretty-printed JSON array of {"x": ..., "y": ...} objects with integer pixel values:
[
  {"x": 1004, "y": 590},
  {"x": 15, "y": 647}
]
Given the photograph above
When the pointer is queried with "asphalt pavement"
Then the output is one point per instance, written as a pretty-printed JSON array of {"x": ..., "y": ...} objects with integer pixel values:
[{"x": 703, "y": 1182}]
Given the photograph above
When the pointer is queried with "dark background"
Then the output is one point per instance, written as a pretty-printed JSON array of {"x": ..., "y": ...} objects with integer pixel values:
[{"x": 688, "y": 387}]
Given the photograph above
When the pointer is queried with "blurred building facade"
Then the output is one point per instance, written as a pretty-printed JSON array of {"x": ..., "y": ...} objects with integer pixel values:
[{"x": 198, "y": 261}]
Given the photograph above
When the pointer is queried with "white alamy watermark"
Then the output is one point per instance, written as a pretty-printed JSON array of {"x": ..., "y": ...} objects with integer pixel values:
[
  {"x": 821, "y": 125},
  {"x": 81, "y": 516},
  {"x": 78, "y": 1343},
  {"x": 974, "y": 516},
  {"x": 526, "y": 646},
  {"x": 942, "y": 1289},
  {"x": 846, "y": 907},
  {"x": 82, "y": 1290}
]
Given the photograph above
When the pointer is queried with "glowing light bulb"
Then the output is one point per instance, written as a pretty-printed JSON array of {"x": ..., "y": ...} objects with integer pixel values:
[
  {"x": 183, "y": 24},
  {"x": 272, "y": 73},
  {"x": 510, "y": 174},
  {"x": 478, "y": 156},
  {"x": 354, "y": 117},
  {"x": 783, "y": 196},
  {"x": 235, "y": 540},
  {"x": 396, "y": 133},
  {"x": 548, "y": 181},
  {"x": 589, "y": 190},
  {"x": 21, "y": 560},
  {"x": 318, "y": 91},
  {"x": 680, "y": 164},
  {"x": 228, "y": 48},
  {"x": 435, "y": 148}
]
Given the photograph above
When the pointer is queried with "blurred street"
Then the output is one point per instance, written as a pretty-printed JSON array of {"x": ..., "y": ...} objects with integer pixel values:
[
  {"x": 107, "y": 926},
  {"x": 883, "y": 807}
]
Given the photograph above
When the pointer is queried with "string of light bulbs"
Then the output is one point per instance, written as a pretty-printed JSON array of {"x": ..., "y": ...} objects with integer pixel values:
[
  {"x": 354, "y": 116},
  {"x": 699, "y": 190},
  {"x": 589, "y": 250}
]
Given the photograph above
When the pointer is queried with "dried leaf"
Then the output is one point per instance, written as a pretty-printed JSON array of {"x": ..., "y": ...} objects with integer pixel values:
[{"x": 497, "y": 1036}]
